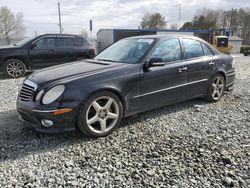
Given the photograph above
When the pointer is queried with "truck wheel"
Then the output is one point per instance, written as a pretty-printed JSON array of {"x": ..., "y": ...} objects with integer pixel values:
[
  {"x": 14, "y": 68},
  {"x": 100, "y": 114},
  {"x": 216, "y": 88}
]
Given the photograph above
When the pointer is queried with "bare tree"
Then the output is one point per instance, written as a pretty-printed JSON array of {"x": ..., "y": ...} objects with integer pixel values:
[
  {"x": 10, "y": 24},
  {"x": 153, "y": 21}
]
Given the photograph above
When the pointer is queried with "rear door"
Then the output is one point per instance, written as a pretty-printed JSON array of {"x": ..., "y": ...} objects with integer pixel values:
[
  {"x": 200, "y": 63},
  {"x": 44, "y": 53},
  {"x": 163, "y": 85},
  {"x": 65, "y": 47}
]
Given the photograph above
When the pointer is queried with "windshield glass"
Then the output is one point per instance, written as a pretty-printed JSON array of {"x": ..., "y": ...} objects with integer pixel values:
[
  {"x": 24, "y": 41},
  {"x": 126, "y": 50}
]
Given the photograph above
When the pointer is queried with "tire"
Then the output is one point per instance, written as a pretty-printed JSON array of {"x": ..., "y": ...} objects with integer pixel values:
[
  {"x": 245, "y": 54},
  {"x": 14, "y": 68},
  {"x": 100, "y": 114},
  {"x": 216, "y": 88}
]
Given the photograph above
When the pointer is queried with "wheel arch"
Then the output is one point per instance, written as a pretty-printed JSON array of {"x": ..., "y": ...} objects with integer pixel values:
[
  {"x": 114, "y": 91},
  {"x": 20, "y": 58},
  {"x": 220, "y": 72}
]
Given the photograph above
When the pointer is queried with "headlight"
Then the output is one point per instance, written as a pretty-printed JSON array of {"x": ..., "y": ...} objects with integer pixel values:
[
  {"x": 39, "y": 94},
  {"x": 53, "y": 94}
]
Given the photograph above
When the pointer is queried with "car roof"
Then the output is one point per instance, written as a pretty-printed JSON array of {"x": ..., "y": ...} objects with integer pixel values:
[
  {"x": 165, "y": 36},
  {"x": 59, "y": 34}
]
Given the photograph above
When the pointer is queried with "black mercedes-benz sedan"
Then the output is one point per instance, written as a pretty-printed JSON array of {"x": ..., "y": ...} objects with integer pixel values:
[{"x": 133, "y": 75}]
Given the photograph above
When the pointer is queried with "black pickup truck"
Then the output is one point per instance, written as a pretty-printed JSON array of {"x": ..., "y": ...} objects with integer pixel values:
[{"x": 43, "y": 51}]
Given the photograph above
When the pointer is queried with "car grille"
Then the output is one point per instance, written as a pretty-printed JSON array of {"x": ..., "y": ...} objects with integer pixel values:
[{"x": 27, "y": 91}]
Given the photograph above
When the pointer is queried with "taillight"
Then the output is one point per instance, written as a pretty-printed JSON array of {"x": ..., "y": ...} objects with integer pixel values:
[{"x": 93, "y": 50}]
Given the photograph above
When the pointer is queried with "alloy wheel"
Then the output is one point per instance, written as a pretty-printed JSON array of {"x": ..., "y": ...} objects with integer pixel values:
[
  {"x": 218, "y": 87},
  {"x": 102, "y": 114},
  {"x": 15, "y": 69}
]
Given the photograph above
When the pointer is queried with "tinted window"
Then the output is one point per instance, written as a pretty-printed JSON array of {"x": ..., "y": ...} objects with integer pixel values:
[
  {"x": 81, "y": 41},
  {"x": 207, "y": 52},
  {"x": 193, "y": 48},
  {"x": 65, "y": 42},
  {"x": 168, "y": 50},
  {"x": 46, "y": 43}
]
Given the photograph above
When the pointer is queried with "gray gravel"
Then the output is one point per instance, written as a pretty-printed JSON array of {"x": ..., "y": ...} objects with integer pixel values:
[{"x": 191, "y": 144}]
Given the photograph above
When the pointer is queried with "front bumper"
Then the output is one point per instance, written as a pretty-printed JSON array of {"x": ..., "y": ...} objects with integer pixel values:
[{"x": 34, "y": 116}]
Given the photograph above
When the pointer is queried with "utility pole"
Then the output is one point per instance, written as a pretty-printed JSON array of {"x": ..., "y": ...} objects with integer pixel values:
[
  {"x": 59, "y": 14},
  {"x": 179, "y": 16}
]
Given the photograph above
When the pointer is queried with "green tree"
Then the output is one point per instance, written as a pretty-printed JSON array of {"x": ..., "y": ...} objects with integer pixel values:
[
  {"x": 153, "y": 21},
  {"x": 10, "y": 24}
]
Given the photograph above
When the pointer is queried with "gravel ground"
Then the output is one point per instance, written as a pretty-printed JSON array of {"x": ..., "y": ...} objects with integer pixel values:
[{"x": 190, "y": 144}]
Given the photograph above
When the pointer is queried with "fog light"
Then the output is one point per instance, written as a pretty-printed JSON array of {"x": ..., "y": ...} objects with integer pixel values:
[{"x": 47, "y": 123}]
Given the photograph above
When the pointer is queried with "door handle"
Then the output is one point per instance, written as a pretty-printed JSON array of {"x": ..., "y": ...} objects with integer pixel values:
[
  {"x": 53, "y": 50},
  {"x": 211, "y": 63},
  {"x": 182, "y": 69}
]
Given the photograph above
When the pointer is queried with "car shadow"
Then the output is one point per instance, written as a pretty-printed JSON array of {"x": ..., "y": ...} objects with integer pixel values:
[{"x": 17, "y": 139}]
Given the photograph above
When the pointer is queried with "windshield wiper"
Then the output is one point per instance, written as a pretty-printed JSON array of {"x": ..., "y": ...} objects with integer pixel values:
[{"x": 108, "y": 60}]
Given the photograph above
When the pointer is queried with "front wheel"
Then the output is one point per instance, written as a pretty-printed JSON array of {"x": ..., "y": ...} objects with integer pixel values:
[
  {"x": 14, "y": 68},
  {"x": 216, "y": 88},
  {"x": 100, "y": 114}
]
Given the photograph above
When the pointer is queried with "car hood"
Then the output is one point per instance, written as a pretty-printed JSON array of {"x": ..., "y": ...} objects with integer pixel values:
[
  {"x": 2, "y": 48},
  {"x": 72, "y": 70}
]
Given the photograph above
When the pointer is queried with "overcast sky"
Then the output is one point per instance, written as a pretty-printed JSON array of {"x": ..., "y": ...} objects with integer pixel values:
[{"x": 42, "y": 15}]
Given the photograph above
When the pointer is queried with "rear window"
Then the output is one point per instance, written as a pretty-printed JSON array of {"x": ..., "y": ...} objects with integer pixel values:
[
  {"x": 65, "y": 42},
  {"x": 193, "y": 48},
  {"x": 207, "y": 51}
]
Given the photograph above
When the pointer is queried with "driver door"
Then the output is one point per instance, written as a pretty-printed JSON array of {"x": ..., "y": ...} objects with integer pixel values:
[
  {"x": 164, "y": 85},
  {"x": 43, "y": 54}
]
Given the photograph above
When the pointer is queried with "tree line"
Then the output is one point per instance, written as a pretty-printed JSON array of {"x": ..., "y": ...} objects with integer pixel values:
[{"x": 237, "y": 21}]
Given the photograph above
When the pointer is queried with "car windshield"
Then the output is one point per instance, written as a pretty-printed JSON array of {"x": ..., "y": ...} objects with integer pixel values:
[
  {"x": 126, "y": 50},
  {"x": 24, "y": 41}
]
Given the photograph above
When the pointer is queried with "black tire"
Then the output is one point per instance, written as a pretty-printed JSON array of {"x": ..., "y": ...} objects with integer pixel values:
[
  {"x": 86, "y": 108},
  {"x": 245, "y": 54},
  {"x": 219, "y": 89},
  {"x": 14, "y": 68}
]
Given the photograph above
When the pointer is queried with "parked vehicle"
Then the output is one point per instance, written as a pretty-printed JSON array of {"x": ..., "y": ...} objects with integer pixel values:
[
  {"x": 133, "y": 75},
  {"x": 43, "y": 51},
  {"x": 246, "y": 52}
]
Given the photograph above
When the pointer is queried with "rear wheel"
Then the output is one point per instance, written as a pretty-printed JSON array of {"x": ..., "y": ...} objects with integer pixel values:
[
  {"x": 216, "y": 88},
  {"x": 100, "y": 114},
  {"x": 14, "y": 68}
]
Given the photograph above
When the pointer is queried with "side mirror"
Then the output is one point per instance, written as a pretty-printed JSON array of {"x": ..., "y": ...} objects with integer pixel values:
[
  {"x": 33, "y": 45},
  {"x": 154, "y": 62}
]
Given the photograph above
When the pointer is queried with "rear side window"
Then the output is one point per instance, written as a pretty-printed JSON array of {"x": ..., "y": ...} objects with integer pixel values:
[
  {"x": 45, "y": 43},
  {"x": 193, "y": 48},
  {"x": 206, "y": 50},
  {"x": 65, "y": 42},
  {"x": 168, "y": 50},
  {"x": 81, "y": 41}
]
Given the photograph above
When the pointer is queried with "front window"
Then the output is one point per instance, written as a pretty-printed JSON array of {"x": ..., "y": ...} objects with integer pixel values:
[
  {"x": 126, "y": 51},
  {"x": 168, "y": 50},
  {"x": 45, "y": 43}
]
